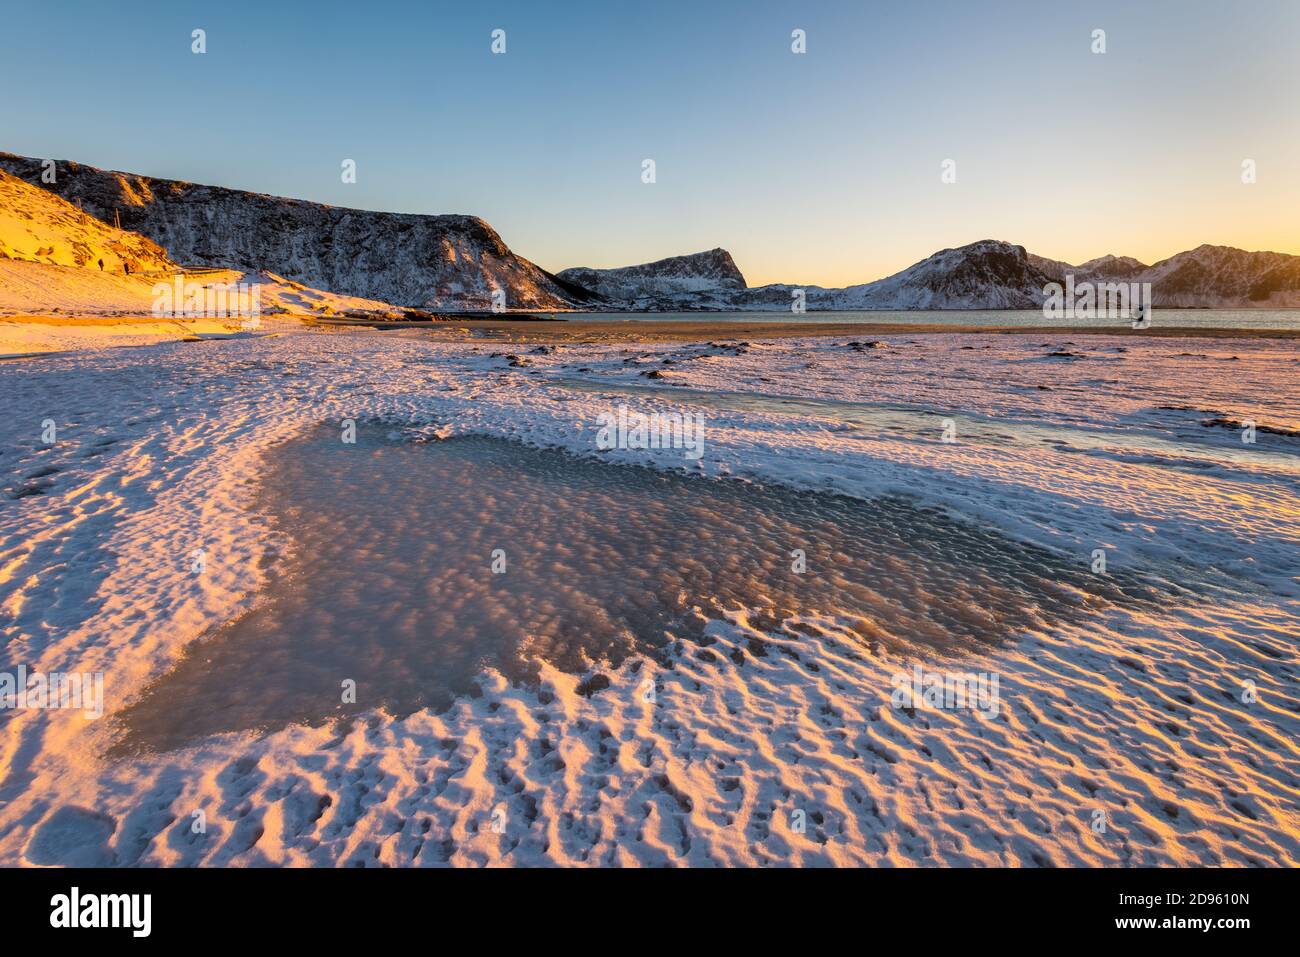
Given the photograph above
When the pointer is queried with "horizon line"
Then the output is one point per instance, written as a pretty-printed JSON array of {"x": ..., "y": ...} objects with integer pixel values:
[{"x": 644, "y": 262}]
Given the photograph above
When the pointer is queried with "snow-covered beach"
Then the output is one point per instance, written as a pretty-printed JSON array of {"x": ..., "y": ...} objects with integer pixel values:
[{"x": 1147, "y": 734}]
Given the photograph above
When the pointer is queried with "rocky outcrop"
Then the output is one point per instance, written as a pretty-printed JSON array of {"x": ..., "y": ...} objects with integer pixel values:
[
  {"x": 705, "y": 280},
  {"x": 435, "y": 262}
]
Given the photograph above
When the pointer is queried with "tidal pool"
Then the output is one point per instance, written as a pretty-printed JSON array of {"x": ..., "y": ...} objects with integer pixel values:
[{"x": 418, "y": 564}]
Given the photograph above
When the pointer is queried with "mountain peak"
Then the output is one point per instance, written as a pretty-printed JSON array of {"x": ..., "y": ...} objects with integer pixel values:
[
  {"x": 695, "y": 281},
  {"x": 715, "y": 265}
]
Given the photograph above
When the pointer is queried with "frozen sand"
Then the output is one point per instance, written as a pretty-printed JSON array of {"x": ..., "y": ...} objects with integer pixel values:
[
  {"x": 53, "y": 308},
  {"x": 20, "y": 338},
  {"x": 1134, "y": 713}
]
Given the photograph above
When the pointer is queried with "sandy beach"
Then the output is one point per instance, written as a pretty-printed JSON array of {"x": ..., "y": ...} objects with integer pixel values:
[
  {"x": 731, "y": 436},
  {"x": 1062, "y": 440},
  {"x": 22, "y": 335}
]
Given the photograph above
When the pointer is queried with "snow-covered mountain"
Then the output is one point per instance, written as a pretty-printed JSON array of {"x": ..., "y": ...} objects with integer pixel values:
[
  {"x": 705, "y": 280},
  {"x": 1205, "y": 277},
  {"x": 1102, "y": 268},
  {"x": 54, "y": 258},
  {"x": 988, "y": 274},
  {"x": 983, "y": 275},
  {"x": 456, "y": 262},
  {"x": 435, "y": 262},
  {"x": 1225, "y": 277}
]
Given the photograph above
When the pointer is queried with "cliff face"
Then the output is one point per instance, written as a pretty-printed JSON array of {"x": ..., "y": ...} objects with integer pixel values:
[
  {"x": 435, "y": 262},
  {"x": 698, "y": 281}
]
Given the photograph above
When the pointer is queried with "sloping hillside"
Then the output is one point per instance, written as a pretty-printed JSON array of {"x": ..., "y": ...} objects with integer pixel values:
[
  {"x": 38, "y": 227},
  {"x": 434, "y": 262},
  {"x": 56, "y": 259}
]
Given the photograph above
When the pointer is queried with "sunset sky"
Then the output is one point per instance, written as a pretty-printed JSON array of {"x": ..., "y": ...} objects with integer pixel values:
[{"x": 822, "y": 168}]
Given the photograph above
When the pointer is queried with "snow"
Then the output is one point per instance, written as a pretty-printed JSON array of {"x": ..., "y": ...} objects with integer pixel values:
[
  {"x": 56, "y": 259},
  {"x": 1136, "y": 711},
  {"x": 37, "y": 226},
  {"x": 707, "y": 280},
  {"x": 438, "y": 262},
  {"x": 23, "y": 338},
  {"x": 459, "y": 262},
  {"x": 989, "y": 274}
]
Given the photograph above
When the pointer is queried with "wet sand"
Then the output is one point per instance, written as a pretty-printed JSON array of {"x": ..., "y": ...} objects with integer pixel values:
[
  {"x": 651, "y": 330},
  {"x": 28, "y": 335}
]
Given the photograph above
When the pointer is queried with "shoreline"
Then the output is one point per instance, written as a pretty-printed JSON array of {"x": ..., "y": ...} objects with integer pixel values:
[
  {"x": 677, "y": 330},
  {"x": 31, "y": 336}
]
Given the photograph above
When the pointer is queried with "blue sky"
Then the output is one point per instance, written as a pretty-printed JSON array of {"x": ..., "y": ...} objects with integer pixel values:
[{"x": 816, "y": 168}]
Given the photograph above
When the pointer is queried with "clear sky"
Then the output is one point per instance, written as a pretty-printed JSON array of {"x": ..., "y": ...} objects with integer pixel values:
[{"x": 816, "y": 168}]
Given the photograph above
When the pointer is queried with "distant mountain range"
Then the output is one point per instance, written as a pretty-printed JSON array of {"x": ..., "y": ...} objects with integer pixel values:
[
  {"x": 988, "y": 274},
  {"x": 452, "y": 263}
]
